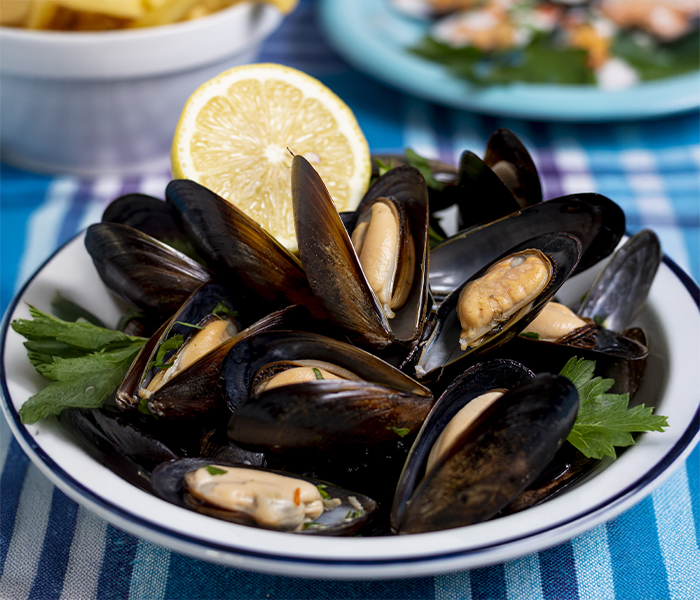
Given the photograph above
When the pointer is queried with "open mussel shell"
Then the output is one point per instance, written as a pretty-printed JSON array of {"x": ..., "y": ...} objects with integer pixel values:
[
  {"x": 352, "y": 513},
  {"x": 475, "y": 381},
  {"x": 508, "y": 157},
  {"x": 149, "y": 215},
  {"x": 504, "y": 182},
  {"x": 623, "y": 285},
  {"x": 445, "y": 174},
  {"x": 194, "y": 390},
  {"x": 318, "y": 414},
  {"x": 147, "y": 273},
  {"x": 119, "y": 442},
  {"x": 242, "y": 254},
  {"x": 334, "y": 269},
  {"x": 495, "y": 459},
  {"x": 595, "y": 220},
  {"x": 480, "y": 195},
  {"x": 440, "y": 355},
  {"x": 567, "y": 469},
  {"x": 617, "y": 356}
]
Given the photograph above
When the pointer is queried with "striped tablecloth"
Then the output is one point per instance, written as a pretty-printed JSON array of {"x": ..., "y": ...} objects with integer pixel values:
[{"x": 52, "y": 548}]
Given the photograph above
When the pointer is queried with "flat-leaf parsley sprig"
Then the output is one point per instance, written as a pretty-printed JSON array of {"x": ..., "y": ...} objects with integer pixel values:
[
  {"x": 605, "y": 420},
  {"x": 84, "y": 362}
]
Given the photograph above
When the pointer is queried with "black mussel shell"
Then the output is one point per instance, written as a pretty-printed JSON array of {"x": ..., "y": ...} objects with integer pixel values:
[
  {"x": 119, "y": 442},
  {"x": 149, "y": 215},
  {"x": 167, "y": 481},
  {"x": 475, "y": 381},
  {"x": 496, "y": 458},
  {"x": 322, "y": 414},
  {"x": 505, "y": 153},
  {"x": 616, "y": 356},
  {"x": 249, "y": 260},
  {"x": 333, "y": 267},
  {"x": 481, "y": 195},
  {"x": 568, "y": 467},
  {"x": 194, "y": 391},
  {"x": 440, "y": 355},
  {"x": 623, "y": 285},
  {"x": 595, "y": 220},
  {"x": 445, "y": 177},
  {"x": 148, "y": 274},
  {"x": 216, "y": 446}
]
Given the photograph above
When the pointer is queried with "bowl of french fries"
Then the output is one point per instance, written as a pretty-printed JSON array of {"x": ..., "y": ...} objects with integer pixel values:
[{"x": 92, "y": 87}]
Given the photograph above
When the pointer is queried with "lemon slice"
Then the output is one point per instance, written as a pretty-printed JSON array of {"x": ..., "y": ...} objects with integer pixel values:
[{"x": 239, "y": 131}]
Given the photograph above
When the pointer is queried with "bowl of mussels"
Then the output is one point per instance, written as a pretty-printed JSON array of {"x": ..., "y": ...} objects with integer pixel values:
[{"x": 450, "y": 403}]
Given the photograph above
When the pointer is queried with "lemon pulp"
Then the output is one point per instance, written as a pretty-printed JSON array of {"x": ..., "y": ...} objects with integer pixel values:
[{"x": 239, "y": 131}]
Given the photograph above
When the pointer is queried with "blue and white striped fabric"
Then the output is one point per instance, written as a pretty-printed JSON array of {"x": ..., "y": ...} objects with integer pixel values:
[{"x": 52, "y": 548}]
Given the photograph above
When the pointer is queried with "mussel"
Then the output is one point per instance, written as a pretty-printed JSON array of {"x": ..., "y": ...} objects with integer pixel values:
[
  {"x": 381, "y": 296},
  {"x": 261, "y": 497},
  {"x": 245, "y": 258},
  {"x": 364, "y": 402},
  {"x": 145, "y": 272},
  {"x": 595, "y": 220},
  {"x": 499, "y": 301},
  {"x": 154, "y": 379},
  {"x": 492, "y": 460}
]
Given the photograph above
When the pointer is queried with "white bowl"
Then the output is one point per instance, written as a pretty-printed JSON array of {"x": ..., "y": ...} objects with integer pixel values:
[
  {"x": 89, "y": 103},
  {"x": 670, "y": 386}
]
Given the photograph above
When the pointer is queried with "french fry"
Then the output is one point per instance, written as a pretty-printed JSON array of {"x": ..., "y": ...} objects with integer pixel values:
[
  {"x": 122, "y": 9},
  {"x": 100, "y": 15},
  {"x": 14, "y": 13},
  {"x": 171, "y": 12},
  {"x": 41, "y": 13}
]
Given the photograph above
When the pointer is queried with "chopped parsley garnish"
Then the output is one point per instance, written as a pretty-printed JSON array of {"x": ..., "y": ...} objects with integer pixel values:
[
  {"x": 352, "y": 514},
  {"x": 314, "y": 525},
  {"x": 67, "y": 310},
  {"x": 321, "y": 487},
  {"x": 192, "y": 325},
  {"x": 434, "y": 238},
  {"x": 317, "y": 373},
  {"x": 422, "y": 164},
  {"x": 223, "y": 309},
  {"x": 604, "y": 420},
  {"x": 215, "y": 470},
  {"x": 84, "y": 362},
  {"x": 530, "y": 335},
  {"x": 172, "y": 343},
  {"x": 384, "y": 167},
  {"x": 400, "y": 431}
]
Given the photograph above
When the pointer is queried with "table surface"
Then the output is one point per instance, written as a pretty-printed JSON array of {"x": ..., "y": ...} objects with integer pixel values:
[{"x": 50, "y": 547}]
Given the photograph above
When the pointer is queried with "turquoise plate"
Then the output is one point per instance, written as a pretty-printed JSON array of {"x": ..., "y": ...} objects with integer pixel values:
[{"x": 374, "y": 38}]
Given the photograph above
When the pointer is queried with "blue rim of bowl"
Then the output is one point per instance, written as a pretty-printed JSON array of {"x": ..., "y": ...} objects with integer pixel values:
[
  {"x": 392, "y": 64},
  {"x": 684, "y": 445}
]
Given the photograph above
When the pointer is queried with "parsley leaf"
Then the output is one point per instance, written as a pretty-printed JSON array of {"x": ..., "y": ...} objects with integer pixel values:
[
  {"x": 384, "y": 167},
  {"x": 605, "y": 420},
  {"x": 84, "y": 362},
  {"x": 543, "y": 60},
  {"x": 81, "y": 336},
  {"x": 400, "y": 431},
  {"x": 215, "y": 470},
  {"x": 223, "y": 309},
  {"x": 420, "y": 163},
  {"x": 83, "y": 382},
  {"x": 530, "y": 335},
  {"x": 172, "y": 343},
  {"x": 434, "y": 237}
]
